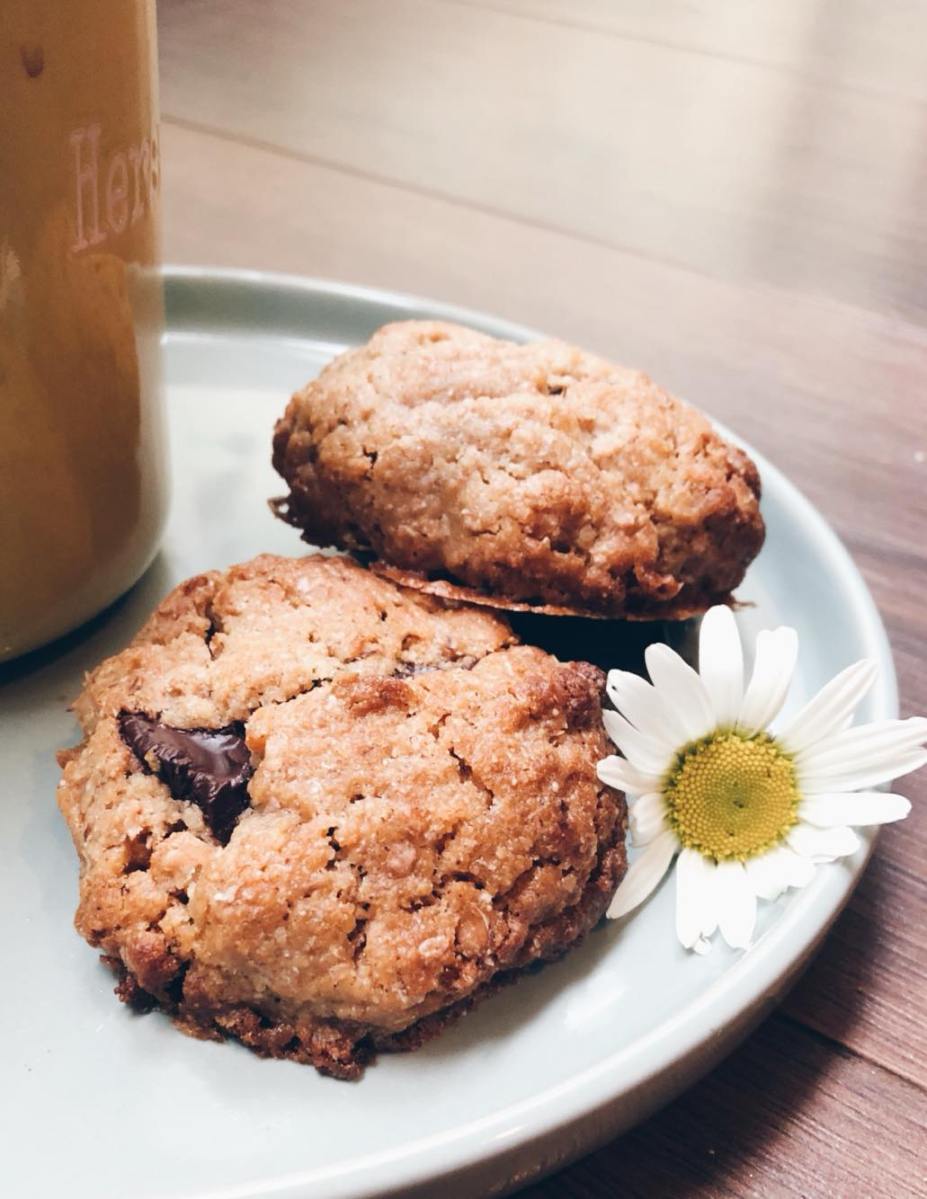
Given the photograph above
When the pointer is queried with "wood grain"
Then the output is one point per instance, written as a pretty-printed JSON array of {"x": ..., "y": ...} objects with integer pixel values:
[
  {"x": 787, "y": 1117},
  {"x": 751, "y": 259},
  {"x": 798, "y": 37},
  {"x": 866, "y": 988},
  {"x": 710, "y": 163}
]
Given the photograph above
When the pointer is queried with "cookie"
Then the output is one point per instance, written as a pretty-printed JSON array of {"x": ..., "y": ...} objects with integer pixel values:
[
  {"x": 534, "y": 476},
  {"x": 323, "y": 815}
]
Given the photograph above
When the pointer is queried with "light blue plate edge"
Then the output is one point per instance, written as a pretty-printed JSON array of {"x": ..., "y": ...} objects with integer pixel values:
[{"x": 680, "y": 1050}]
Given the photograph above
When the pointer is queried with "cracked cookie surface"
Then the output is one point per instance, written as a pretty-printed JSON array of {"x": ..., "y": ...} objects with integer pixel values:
[
  {"x": 422, "y": 816},
  {"x": 528, "y": 474}
]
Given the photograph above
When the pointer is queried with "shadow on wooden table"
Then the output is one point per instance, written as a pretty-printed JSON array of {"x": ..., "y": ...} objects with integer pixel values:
[{"x": 737, "y": 1122}]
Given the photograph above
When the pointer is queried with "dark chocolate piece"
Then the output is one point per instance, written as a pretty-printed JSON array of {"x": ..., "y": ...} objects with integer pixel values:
[{"x": 209, "y": 767}]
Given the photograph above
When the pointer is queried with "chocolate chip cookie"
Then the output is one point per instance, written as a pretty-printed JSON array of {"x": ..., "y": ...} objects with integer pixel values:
[
  {"x": 322, "y": 814},
  {"x": 532, "y": 476}
]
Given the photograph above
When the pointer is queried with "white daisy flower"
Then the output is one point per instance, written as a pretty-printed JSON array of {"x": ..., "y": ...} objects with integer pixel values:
[{"x": 745, "y": 812}]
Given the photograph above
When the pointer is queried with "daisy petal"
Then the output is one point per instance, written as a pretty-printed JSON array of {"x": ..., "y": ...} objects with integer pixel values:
[
  {"x": 619, "y": 773},
  {"x": 648, "y": 754},
  {"x": 644, "y": 874},
  {"x": 870, "y": 775},
  {"x": 773, "y": 666},
  {"x": 822, "y": 844},
  {"x": 647, "y": 818},
  {"x": 767, "y": 882},
  {"x": 736, "y": 904},
  {"x": 864, "y": 745},
  {"x": 638, "y": 702},
  {"x": 863, "y": 808},
  {"x": 721, "y": 663},
  {"x": 829, "y": 710},
  {"x": 696, "y": 917},
  {"x": 776, "y": 870},
  {"x": 800, "y": 870},
  {"x": 678, "y": 685}
]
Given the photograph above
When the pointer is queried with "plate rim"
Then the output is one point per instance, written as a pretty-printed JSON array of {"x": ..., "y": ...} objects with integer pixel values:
[{"x": 776, "y": 958}]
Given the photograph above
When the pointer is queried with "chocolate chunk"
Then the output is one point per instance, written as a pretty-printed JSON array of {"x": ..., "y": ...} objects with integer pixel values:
[{"x": 209, "y": 767}]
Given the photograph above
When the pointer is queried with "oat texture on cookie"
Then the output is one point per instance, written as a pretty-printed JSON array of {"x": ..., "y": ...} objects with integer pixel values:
[
  {"x": 534, "y": 475},
  {"x": 407, "y": 807}
]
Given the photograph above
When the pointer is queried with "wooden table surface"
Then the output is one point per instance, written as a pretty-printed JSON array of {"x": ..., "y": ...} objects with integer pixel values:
[{"x": 731, "y": 194}]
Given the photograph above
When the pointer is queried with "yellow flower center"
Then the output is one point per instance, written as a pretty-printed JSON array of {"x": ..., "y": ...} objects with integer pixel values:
[{"x": 731, "y": 796}]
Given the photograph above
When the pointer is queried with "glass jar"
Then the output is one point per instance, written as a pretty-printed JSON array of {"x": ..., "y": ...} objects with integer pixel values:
[{"x": 82, "y": 446}]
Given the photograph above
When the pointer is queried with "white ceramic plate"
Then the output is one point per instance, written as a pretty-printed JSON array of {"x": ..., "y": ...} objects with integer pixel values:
[{"x": 98, "y": 1102}]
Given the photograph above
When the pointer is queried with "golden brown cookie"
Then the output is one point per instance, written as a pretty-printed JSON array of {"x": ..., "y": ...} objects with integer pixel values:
[
  {"x": 323, "y": 814},
  {"x": 530, "y": 474}
]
